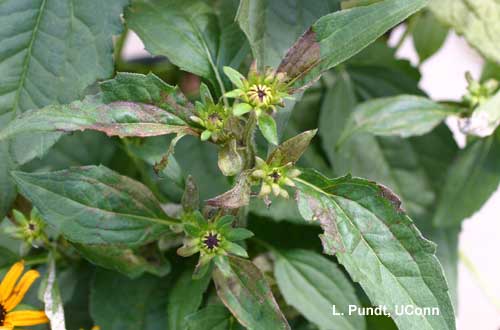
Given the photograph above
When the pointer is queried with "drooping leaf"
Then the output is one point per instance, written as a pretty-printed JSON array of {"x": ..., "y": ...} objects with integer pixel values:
[
  {"x": 212, "y": 317},
  {"x": 236, "y": 197},
  {"x": 124, "y": 260},
  {"x": 428, "y": 35},
  {"x": 273, "y": 26},
  {"x": 119, "y": 303},
  {"x": 114, "y": 119},
  {"x": 185, "y": 298},
  {"x": 248, "y": 296},
  {"x": 404, "y": 116},
  {"x": 309, "y": 282},
  {"x": 470, "y": 181},
  {"x": 336, "y": 37},
  {"x": 52, "y": 298},
  {"x": 94, "y": 205},
  {"x": 476, "y": 20},
  {"x": 193, "y": 35},
  {"x": 365, "y": 226}
]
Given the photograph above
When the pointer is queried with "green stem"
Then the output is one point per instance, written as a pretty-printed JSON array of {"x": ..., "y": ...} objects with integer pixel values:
[
  {"x": 117, "y": 53},
  {"x": 467, "y": 262}
]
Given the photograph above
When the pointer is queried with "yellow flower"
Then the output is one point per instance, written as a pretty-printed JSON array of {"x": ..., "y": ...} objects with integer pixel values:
[{"x": 12, "y": 292}]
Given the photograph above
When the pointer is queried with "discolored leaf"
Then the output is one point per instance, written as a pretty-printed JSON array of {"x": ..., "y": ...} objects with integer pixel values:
[
  {"x": 237, "y": 197},
  {"x": 338, "y": 36},
  {"x": 378, "y": 243},
  {"x": 292, "y": 149},
  {"x": 231, "y": 160},
  {"x": 114, "y": 119},
  {"x": 94, "y": 205},
  {"x": 248, "y": 296},
  {"x": 273, "y": 26}
]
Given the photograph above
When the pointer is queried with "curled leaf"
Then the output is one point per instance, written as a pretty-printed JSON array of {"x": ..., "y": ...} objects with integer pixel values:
[
  {"x": 292, "y": 149},
  {"x": 237, "y": 197}
]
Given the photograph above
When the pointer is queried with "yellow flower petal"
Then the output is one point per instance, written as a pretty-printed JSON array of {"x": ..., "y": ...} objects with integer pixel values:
[
  {"x": 4, "y": 327},
  {"x": 20, "y": 290},
  {"x": 26, "y": 318},
  {"x": 10, "y": 280}
]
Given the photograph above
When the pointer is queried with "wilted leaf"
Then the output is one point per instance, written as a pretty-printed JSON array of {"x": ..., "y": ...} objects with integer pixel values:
[
  {"x": 248, "y": 296},
  {"x": 311, "y": 283},
  {"x": 336, "y": 37},
  {"x": 379, "y": 246},
  {"x": 231, "y": 160},
  {"x": 94, "y": 205},
  {"x": 237, "y": 197}
]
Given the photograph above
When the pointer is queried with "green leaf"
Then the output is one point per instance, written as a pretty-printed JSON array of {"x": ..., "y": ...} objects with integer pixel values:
[
  {"x": 403, "y": 115},
  {"x": 310, "y": 282},
  {"x": 94, "y": 205},
  {"x": 248, "y": 296},
  {"x": 124, "y": 260},
  {"x": 336, "y": 37},
  {"x": 118, "y": 118},
  {"x": 52, "y": 298},
  {"x": 193, "y": 35},
  {"x": 268, "y": 128},
  {"x": 212, "y": 317},
  {"x": 477, "y": 20},
  {"x": 45, "y": 60},
  {"x": 273, "y": 26},
  {"x": 377, "y": 242},
  {"x": 185, "y": 298},
  {"x": 7, "y": 186},
  {"x": 7, "y": 257},
  {"x": 119, "y": 303},
  {"x": 471, "y": 180},
  {"x": 428, "y": 35}
]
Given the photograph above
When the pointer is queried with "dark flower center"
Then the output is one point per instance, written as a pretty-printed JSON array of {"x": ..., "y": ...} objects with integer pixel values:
[
  {"x": 261, "y": 94},
  {"x": 275, "y": 175},
  {"x": 31, "y": 227},
  {"x": 3, "y": 313},
  {"x": 211, "y": 241}
]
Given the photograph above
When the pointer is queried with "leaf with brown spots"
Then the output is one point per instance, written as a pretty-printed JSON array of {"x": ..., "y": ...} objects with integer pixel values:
[
  {"x": 248, "y": 296},
  {"x": 336, "y": 37},
  {"x": 115, "y": 119},
  {"x": 378, "y": 244}
]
